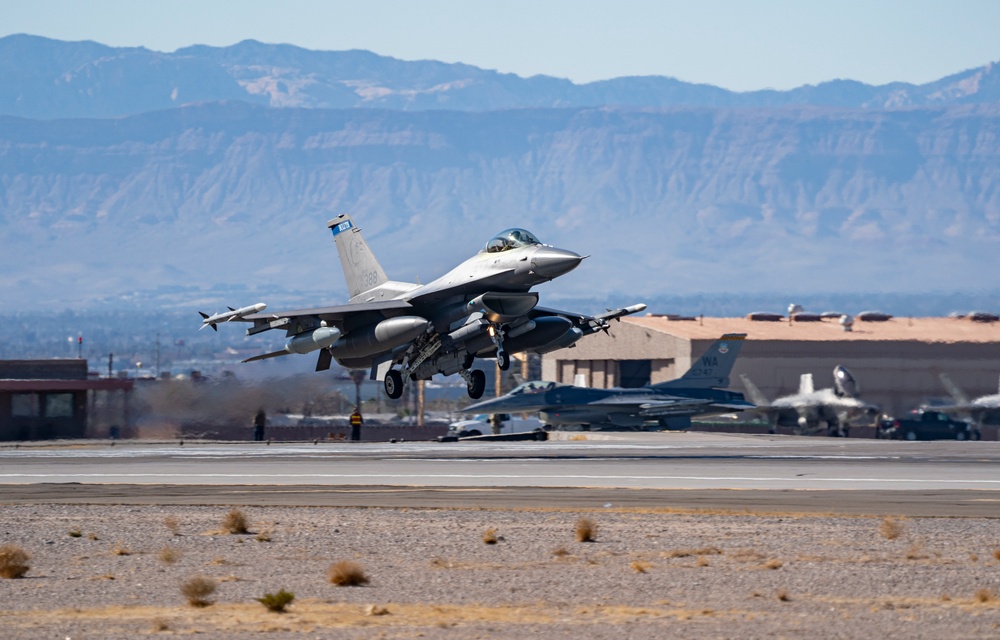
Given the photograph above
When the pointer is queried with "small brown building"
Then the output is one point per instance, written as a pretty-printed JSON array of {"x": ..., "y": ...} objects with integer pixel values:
[
  {"x": 46, "y": 399},
  {"x": 896, "y": 362}
]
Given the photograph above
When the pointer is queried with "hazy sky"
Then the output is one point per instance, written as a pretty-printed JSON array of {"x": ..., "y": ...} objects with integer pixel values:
[{"x": 737, "y": 44}]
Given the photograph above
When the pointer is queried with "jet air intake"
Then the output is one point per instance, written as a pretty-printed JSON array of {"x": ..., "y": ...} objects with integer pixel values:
[{"x": 502, "y": 307}]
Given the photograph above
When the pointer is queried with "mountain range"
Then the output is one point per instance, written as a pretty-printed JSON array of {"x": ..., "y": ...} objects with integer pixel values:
[{"x": 126, "y": 170}]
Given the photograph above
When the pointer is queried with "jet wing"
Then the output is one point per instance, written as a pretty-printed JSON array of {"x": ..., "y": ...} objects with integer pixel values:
[
  {"x": 588, "y": 324},
  {"x": 337, "y": 315}
]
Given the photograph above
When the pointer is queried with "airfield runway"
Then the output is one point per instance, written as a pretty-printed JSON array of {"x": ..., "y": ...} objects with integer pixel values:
[{"x": 685, "y": 470}]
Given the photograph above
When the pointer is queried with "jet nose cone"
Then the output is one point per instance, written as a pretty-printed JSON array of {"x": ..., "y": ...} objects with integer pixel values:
[{"x": 550, "y": 262}]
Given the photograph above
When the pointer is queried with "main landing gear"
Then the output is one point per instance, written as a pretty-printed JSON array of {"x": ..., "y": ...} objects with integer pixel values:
[
  {"x": 393, "y": 384},
  {"x": 475, "y": 381}
]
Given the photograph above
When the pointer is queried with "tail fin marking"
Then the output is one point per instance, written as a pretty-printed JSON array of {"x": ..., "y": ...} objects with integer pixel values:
[{"x": 713, "y": 367}]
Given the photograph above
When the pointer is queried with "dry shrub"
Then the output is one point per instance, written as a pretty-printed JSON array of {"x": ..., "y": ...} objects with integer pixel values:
[
  {"x": 916, "y": 552},
  {"x": 586, "y": 530},
  {"x": 702, "y": 562},
  {"x": 198, "y": 590},
  {"x": 375, "y": 610},
  {"x": 973, "y": 557},
  {"x": 891, "y": 528},
  {"x": 347, "y": 574},
  {"x": 173, "y": 525},
  {"x": 120, "y": 550},
  {"x": 277, "y": 602},
  {"x": 773, "y": 564},
  {"x": 783, "y": 595},
  {"x": 13, "y": 561},
  {"x": 639, "y": 567},
  {"x": 92, "y": 536},
  {"x": 264, "y": 536},
  {"x": 159, "y": 624},
  {"x": 235, "y": 522},
  {"x": 75, "y": 533},
  {"x": 984, "y": 595},
  {"x": 169, "y": 555},
  {"x": 490, "y": 536},
  {"x": 560, "y": 552},
  {"x": 996, "y": 554}
]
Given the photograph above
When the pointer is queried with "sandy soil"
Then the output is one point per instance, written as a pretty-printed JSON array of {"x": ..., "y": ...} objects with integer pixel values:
[{"x": 107, "y": 572}]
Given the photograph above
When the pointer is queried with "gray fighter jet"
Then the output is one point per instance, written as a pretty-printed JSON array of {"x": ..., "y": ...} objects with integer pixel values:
[
  {"x": 811, "y": 411},
  {"x": 483, "y": 308},
  {"x": 978, "y": 411},
  {"x": 668, "y": 405}
]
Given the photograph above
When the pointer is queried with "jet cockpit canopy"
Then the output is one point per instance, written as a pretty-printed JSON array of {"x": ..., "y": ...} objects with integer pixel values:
[
  {"x": 535, "y": 386},
  {"x": 510, "y": 239}
]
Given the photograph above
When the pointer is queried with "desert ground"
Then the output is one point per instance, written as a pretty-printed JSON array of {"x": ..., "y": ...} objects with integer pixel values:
[{"x": 111, "y": 572}]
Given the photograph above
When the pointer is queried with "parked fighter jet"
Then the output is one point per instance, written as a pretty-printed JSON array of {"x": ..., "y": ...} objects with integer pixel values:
[
  {"x": 810, "y": 411},
  {"x": 663, "y": 405},
  {"x": 976, "y": 411},
  {"x": 399, "y": 330}
]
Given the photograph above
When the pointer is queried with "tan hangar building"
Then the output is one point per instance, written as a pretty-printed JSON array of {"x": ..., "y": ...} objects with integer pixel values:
[{"x": 895, "y": 362}]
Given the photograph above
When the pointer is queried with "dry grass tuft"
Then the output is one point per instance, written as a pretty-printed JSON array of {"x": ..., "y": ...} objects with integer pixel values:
[
  {"x": 586, "y": 530},
  {"x": 264, "y": 536},
  {"x": 13, "y": 561},
  {"x": 375, "y": 610},
  {"x": 916, "y": 552},
  {"x": 75, "y": 533},
  {"x": 347, "y": 574},
  {"x": 560, "y": 552},
  {"x": 198, "y": 591},
  {"x": 984, "y": 595},
  {"x": 702, "y": 562},
  {"x": 945, "y": 597},
  {"x": 639, "y": 567},
  {"x": 92, "y": 536},
  {"x": 891, "y": 528},
  {"x": 120, "y": 550},
  {"x": 996, "y": 554},
  {"x": 235, "y": 522},
  {"x": 687, "y": 553},
  {"x": 173, "y": 525},
  {"x": 783, "y": 596},
  {"x": 277, "y": 602},
  {"x": 973, "y": 557},
  {"x": 169, "y": 555},
  {"x": 159, "y": 624},
  {"x": 490, "y": 536},
  {"x": 773, "y": 564}
]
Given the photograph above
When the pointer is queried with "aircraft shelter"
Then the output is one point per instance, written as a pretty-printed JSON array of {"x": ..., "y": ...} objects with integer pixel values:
[{"x": 896, "y": 362}]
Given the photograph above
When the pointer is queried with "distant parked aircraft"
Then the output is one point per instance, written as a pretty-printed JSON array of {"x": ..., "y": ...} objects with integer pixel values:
[
  {"x": 976, "y": 411},
  {"x": 810, "y": 410},
  {"x": 669, "y": 404}
]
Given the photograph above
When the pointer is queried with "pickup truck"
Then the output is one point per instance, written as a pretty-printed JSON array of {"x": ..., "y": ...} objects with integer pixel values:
[{"x": 926, "y": 424}]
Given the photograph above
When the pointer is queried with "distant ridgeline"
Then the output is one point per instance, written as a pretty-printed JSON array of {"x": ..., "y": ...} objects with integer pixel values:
[{"x": 221, "y": 166}]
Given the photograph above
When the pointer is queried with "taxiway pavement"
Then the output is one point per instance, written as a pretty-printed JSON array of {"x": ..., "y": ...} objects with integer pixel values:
[{"x": 640, "y": 470}]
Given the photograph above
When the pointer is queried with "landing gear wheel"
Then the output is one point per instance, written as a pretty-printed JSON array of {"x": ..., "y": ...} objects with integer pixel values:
[
  {"x": 477, "y": 384},
  {"x": 393, "y": 384},
  {"x": 503, "y": 360}
]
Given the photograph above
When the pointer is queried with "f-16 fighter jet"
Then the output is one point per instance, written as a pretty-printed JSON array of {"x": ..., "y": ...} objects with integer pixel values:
[
  {"x": 483, "y": 308},
  {"x": 665, "y": 405}
]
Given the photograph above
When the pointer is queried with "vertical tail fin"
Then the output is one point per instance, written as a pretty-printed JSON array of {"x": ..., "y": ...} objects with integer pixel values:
[
  {"x": 755, "y": 394},
  {"x": 953, "y": 390},
  {"x": 713, "y": 367},
  {"x": 806, "y": 383},
  {"x": 362, "y": 270}
]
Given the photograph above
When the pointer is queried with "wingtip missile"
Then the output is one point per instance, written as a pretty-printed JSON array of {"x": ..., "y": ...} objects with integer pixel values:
[{"x": 228, "y": 316}]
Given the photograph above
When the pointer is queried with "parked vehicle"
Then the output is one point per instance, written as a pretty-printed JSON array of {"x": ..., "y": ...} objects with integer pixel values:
[
  {"x": 925, "y": 424},
  {"x": 480, "y": 425}
]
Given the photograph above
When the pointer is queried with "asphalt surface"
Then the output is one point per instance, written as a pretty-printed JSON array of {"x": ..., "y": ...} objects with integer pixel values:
[{"x": 777, "y": 474}]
